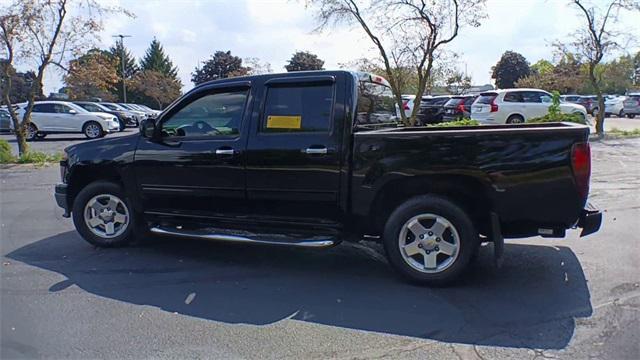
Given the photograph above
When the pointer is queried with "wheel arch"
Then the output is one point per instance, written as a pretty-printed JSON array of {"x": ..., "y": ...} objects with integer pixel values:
[
  {"x": 83, "y": 175},
  {"x": 467, "y": 192},
  {"x": 524, "y": 118}
]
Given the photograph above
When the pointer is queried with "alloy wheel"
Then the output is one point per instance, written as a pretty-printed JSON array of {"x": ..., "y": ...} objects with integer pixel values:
[
  {"x": 429, "y": 243},
  {"x": 106, "y": 216}
]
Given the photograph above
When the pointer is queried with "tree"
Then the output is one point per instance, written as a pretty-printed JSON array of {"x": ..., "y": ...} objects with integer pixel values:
[
  {"x": 596, "y": 39},
  {"x": 511, "y": 67},
  {"x": 156, "y": 60},
  {"x": 458, "y": 83},
  {"x": 118, "y": 52},
  {"x": 406, "y": 78},
  {"x": 405, "y": 33},
  {"x": 92, "y": 75},
  {"x": 257, "y": 67},
  {"x": 159, "y": 88},
  {"x": 303, "y": 61},
  {"x": 44, "y": 33},
  {"x": 221, "y": 65},
  {"x": 21, "y": 84},
  {"x": 566, "y": 76}
]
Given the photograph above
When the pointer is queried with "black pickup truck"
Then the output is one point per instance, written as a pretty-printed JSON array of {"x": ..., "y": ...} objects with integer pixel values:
[{"x": 312, "y": 158}]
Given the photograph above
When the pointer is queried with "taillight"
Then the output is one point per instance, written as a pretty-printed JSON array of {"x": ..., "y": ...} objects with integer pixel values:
[
  {"x": 461, "y": 108},
  {"x": 581, "y": 164},
  {"x": 494, "y": 106},
  {"x": 405, "y": 104}
]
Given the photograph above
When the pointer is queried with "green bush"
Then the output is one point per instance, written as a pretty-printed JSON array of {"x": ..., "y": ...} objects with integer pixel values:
[
  {"x": 463, "y": 122},
  {"x": 555, "y": 115},
  {"x": 38, "y": 157},
  {"x": 5, "y": 152}
]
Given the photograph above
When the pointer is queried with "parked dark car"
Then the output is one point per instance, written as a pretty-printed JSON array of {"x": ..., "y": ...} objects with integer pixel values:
[
  {"x": 432, "y": 109},
  {"x": 123, "y": 118},
  {"x": 590, "y": 103},
  {"x": 5, "y": 122},
  {"x": 458, "y": 107},
  {"x": 304, "y": 159}
]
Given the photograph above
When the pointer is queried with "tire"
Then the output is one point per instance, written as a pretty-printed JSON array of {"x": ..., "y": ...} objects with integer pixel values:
[
  {"x": 631, "y": 116},
  {"x": 41, "y": 136},
  {"x": 32, "y": 132},
  {"x": 409, "y": 255},
  {"x": 515, "y": 119},
  {"x": 102, "y": 203},
  {"x": 123, "y": 125},
  {"x": 621, "y": 114},
  {"x": 92, "y": 130}
]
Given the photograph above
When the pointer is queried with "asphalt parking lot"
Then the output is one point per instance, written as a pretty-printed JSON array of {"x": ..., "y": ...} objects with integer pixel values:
[{"x": 62, "y": 298}]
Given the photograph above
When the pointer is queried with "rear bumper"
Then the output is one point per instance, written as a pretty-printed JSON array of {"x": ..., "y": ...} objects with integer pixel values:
[
  {"x": 60, "y": 194},
  {"x": 590, "y": 220}
]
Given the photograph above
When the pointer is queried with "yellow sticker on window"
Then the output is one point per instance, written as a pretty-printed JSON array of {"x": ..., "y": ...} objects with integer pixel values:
[{"x": 284, "y": 122}]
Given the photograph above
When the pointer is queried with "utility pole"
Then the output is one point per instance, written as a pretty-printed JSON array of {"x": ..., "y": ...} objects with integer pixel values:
[{"x": 124, "y": 86}]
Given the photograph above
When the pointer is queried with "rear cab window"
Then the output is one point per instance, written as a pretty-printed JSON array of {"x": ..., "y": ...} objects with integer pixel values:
[{"x": 376, "y": 104}]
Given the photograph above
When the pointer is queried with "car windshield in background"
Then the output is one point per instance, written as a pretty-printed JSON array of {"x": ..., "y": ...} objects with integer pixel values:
[
  {"x": 376, "y": 105},
  {"x": 453, "y": 102}
]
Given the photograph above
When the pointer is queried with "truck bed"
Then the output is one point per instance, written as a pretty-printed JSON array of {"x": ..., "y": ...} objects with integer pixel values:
[{"x": 521, "y": 172}]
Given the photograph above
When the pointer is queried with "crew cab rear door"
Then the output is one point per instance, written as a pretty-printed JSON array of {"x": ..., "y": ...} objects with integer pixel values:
[{"x": 294, "y": 149}]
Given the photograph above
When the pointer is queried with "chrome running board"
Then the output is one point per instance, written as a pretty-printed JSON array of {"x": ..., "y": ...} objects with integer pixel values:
[{"x": 315, "y": 242}]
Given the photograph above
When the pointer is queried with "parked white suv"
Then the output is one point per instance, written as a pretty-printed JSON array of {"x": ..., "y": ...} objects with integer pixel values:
[
  {"x": 514, "y": 106},
  {"x": 49, "y": 117}
]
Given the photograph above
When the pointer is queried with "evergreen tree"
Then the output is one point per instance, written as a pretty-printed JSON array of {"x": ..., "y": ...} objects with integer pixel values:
[
  {"x": 130, "y": 65},
  {"x": 304, "y": 60},
  {"x": 156, "y": 60},
  {"x": 221, "y": 65},
  {"x": 511, "y": 68}
]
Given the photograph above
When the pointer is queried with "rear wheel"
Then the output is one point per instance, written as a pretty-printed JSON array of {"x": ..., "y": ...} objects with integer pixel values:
[
  {"x": 92, "y": 130},
  {"x": 631, "y": 116},
  {"x": 621, "y": 114},
  {"x": 515, "y": 119},
  {"x": 103, "y": 216},
  {"x": 430, "y": 240},
  {"x": 123, "y": 125}
]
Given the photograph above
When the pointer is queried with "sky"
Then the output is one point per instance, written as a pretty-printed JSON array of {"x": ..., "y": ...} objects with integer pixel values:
[{"x": 272, "y": 30}]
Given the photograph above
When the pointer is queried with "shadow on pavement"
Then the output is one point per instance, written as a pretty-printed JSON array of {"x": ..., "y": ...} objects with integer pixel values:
[{"x": 531, "y": 302}]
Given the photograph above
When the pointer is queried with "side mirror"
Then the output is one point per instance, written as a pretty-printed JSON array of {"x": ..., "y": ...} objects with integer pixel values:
[
  {"x": 72, "y": 112},
  {"x": 148, "y": 128}
]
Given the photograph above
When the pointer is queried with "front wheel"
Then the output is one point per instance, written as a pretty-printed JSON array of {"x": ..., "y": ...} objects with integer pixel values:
[
  {"x": 92, "y": 130},
  {"x": 32, "y": 132},
  {"x": 430, "y": 240},
  {"x": 621, "y": 114},
  {"x": 103, "y": 216}
]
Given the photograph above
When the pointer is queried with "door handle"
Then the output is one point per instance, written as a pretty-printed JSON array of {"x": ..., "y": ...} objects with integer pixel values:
[
  {"x": 225, "y": 151},
  {"x": 316, "y": 151}
]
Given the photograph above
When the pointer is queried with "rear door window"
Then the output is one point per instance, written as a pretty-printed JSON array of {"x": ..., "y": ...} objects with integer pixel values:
[
  {"x": 298, "y": 108},
  {"x": 44, "y": 108},
  {"x": 514, "y": 96},
  {"x": 531, "y": 96}
]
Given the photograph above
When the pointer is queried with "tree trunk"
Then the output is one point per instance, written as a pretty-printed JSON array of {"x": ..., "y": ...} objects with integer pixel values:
[
  {"x": 21, "y": 138},
  {"x": 596, "y": 86}
]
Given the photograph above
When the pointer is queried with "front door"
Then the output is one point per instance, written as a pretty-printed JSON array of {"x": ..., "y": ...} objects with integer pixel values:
[
  {"x": 195, "y": 167},
  {"x": 294, "y": 151}
]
